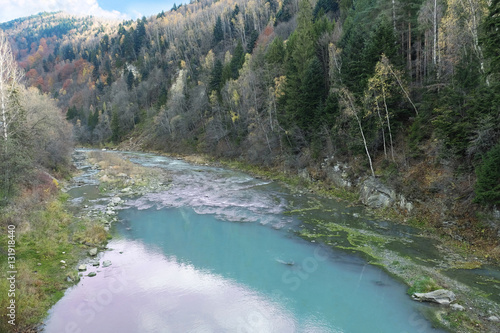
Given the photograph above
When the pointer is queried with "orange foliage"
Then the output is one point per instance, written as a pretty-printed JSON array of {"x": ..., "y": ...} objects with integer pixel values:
[
  {"x": 66, "y": 71},
  {"x": 43, "y": 49},
  {"x": 66, "y": 84},
  {"x": 84, "y": 69},
  {"x": 76, "y": 100},
  {"x": 79, "y": 65},
  {"x": 40, "y": 83},
  {"x": 268, "y": 31},
  {"x": 31, "y": 74},
  {"x": 91, "y": 85},
  {"x": 32, "y": 60},
  {"x": 265, "y": 37}
]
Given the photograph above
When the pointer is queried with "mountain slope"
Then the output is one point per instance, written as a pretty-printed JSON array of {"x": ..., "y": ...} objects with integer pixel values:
[{"x": 402, "y": 90}]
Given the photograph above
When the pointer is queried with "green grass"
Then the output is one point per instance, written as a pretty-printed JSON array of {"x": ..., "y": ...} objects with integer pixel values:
[
  {"x": 43, "y": 238},
  {"x": 344, "y": 238},
  {"x": 460, "y": 320},
  {"x": 424, "y": 284}
]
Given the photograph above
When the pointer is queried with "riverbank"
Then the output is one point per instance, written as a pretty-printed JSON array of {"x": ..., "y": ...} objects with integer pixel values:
[{"x": 46, "y": 250}]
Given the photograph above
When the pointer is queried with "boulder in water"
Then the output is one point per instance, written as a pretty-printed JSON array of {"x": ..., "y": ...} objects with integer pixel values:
[
  {"x": 115, "y": 200},
  {"x": 93, "y": 251},
  {"x": 440, "y": 296}
]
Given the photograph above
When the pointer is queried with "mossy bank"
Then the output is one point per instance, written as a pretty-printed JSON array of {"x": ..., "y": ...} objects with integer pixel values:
[{"x": 47, "y": 249}]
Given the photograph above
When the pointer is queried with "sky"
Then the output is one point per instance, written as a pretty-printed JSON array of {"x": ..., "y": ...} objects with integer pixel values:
[{"x": 115, "y": 9}]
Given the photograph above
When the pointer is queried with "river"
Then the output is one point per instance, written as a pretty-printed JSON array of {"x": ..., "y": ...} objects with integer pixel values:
[{"x": 218, "y": 252}]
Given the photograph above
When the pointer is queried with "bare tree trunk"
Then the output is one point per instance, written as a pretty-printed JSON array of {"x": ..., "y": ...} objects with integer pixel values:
[
  {"x": 388, "y": 124},
  {"x": 382, "y": 125},
  {"x": 394, "y": 15},
  {"x": 346, "y": 96},
  {"x": 404, "y": 90},
  {"x": 10, "y": 76},
  {"x": 434, "y": 29},
  {"x": 409, "y": 44},
  {"x": 4, "y": 77},
  {"x": 474, "y": 32}
]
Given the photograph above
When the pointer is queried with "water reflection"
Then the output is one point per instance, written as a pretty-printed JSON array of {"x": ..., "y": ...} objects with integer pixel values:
[{"x": 181, "y": 264}]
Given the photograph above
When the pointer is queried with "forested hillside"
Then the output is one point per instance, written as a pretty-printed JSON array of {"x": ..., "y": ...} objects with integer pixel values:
[{"x": 407, "y": 91}]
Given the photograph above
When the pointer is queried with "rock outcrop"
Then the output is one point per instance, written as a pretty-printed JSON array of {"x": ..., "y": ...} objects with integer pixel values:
[
  {"x": 440, "y": 296},
  {"x": 338, "y": 174},
  {"x": 375, "y": 194}
]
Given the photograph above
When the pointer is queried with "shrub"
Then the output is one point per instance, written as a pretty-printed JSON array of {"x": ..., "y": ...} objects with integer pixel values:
[{"x": 423, "y": 285}]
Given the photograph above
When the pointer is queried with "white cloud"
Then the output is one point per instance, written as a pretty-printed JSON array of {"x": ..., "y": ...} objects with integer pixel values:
[
  {"x": 138, "y": 10},
  {"x": 11, "y": 9}
]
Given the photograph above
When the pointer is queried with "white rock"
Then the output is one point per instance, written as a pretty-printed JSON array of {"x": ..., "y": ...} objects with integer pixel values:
[
  {"x": 115, "y": 200},
  {"x": 93, "y": 251},
  {"x": 457, "y": 307},
  {"x": 82, "y": 267},
  {"x": 441, "y": 296}
]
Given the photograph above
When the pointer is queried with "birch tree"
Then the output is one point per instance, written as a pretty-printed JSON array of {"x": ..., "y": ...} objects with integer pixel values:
[
  {"x": 459, "y": 31},
  {"x": 10, "y": 78},
  {"x": 11, "y": 118},
  {"x": 347, "y": 101}
]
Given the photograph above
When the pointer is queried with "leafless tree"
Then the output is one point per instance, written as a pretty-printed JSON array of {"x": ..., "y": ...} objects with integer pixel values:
[{"x": 10, "y": 79}]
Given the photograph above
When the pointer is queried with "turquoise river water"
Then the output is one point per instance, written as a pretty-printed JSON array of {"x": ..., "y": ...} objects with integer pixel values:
[{"x": 216, "y": 253}]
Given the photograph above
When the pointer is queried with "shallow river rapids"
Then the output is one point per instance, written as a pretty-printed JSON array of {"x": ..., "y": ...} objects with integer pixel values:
[{"x": 216, "y": 252}]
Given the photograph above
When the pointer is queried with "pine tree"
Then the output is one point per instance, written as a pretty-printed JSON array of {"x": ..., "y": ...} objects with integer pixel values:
[
  {"x": 128, "y": 47},
  {"x": 93, "y": 120},
  {"x": 381, "y": 41},
  {"x": 491, "y": 39},
  {"x": 488, "y": 178},
  {"x": 140, "y": 35},
  {"x": 353, "y": 45},
  {"x": 216, "y": 77},
  {"x": 218, "y": 32},
  {"x": 237, "y": 60},
  {"x": 325, "y": 6},
  {"x": 252, "y": 40},
  {"x": 301, "y": 65},
  {"x": 284, "y": 14},
  {"x": 276, "y": 51},
  {"x": 115, "y": 126},
  {"x": 313, "y": 94}
]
